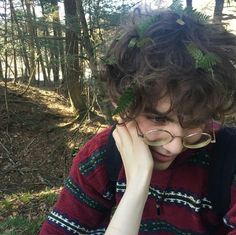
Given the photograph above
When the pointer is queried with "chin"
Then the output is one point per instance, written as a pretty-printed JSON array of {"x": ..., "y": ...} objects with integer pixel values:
[{"x": 161, "y": 166}]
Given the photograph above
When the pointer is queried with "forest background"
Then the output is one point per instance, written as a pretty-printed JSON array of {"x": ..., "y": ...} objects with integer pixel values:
[{"x": 51, "y": 100}]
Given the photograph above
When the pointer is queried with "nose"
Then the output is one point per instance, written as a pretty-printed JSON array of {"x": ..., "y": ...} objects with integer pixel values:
[{"x": 175, "y": 147}]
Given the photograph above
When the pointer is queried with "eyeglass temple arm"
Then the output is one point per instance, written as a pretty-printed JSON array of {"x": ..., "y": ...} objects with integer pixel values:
[
  {"x": 213, "y": 140},
  {"x": 139, "y": 132}
]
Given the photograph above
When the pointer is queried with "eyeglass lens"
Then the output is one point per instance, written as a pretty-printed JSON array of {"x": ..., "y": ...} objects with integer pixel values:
[{"x": 162, "y": 137}]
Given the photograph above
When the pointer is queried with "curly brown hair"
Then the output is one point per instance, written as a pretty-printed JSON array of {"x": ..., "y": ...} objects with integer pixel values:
[{"x": 163, "y": 66}]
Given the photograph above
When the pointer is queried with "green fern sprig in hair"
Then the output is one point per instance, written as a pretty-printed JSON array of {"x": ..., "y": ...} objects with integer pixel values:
[
  {"x": 108, "y": 61},
  {"x": 134, "y": 42},
  {"x": 177, "y": 7},
  {"x": 204, "y": 61},
  {"x": 143, "y": 26},
  {"x": 141, "y": 29},
  {"x": 125, "y": 101},
  {"x": 196, "y": 15}
]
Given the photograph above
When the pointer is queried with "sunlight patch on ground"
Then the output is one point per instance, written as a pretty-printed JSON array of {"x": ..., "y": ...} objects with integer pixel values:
[
  {"x": 23, "y": 213},
  {"x": 17, "y": 204},
  {"x": 45, "y": 96}
]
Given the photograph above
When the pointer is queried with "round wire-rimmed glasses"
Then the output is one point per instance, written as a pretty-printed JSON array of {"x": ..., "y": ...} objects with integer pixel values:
[{"x": 160, "y": 137}]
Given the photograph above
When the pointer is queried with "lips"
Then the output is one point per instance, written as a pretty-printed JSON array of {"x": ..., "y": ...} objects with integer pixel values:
[{"x": 161, "y": 157}]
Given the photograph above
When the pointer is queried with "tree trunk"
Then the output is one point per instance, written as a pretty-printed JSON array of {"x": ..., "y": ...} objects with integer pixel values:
[
  {"x": 62, "y": 57},
  {"x": 72, "y": 65},
  {"x": 87, "y": 43},
  {"x": 14, "y": 50},
  {"x": 56, "y": 48},
  {"x": 89, "y": 47},
  {"x": 40, "y": 56},
  {"x": 28, "y": 4},
  {"x": 21, "y": 38},
  {"x": 189, "y": 3},
  {"x": 5, "y": 42},
  {"x": 15, "y": 65},
  {"x": 46, "y": 50},
  {"x": 219, "y": 5},
  {"x": 1, "y": 71}
]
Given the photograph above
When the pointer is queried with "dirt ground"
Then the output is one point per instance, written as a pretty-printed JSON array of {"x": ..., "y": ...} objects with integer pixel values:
[{"x": 37, "y": 136}]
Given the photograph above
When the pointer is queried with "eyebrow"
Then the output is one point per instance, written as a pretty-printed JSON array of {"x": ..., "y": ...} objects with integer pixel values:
[
  {"x": 169, "y": 114},
  {"x": 156, "y": 112}
]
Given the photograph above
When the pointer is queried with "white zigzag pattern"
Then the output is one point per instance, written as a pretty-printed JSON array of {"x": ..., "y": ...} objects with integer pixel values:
[
  {"x": 226, "y": 222},
  {"x": 71, "y": 226},
  {"x": 194, "y": 203}
]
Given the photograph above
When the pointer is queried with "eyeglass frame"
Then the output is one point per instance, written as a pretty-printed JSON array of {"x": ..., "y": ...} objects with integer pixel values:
[{"x": 212, "y": 138}]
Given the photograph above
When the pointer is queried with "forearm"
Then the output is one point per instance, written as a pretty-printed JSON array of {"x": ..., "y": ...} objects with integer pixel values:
[
  {"x": 138, "y": 166},
  {"x": 127, "y": 217}
]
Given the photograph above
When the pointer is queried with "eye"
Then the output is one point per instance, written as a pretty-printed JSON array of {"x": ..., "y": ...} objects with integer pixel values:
[{"x": 160, "y": 120}]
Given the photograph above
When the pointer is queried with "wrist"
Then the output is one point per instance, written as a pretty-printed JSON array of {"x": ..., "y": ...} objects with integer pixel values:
[{"x": 139, "y": 185}]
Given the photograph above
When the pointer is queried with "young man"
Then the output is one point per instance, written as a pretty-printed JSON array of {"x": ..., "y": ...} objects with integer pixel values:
[{"x": 179, "y": 74}]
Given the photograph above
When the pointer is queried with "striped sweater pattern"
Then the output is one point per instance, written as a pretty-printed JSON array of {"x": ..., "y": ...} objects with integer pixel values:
[{"x": 177, "y": 203}]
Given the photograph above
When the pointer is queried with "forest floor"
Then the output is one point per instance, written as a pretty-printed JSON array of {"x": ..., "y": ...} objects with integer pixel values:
[{"x": 38, "y": 134}]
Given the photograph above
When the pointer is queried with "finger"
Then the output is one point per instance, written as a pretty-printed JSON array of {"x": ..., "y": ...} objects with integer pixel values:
[
  {"x": 124, "y": 135},
  {"x": 117, "y": 139},
  {"x": 120, "y": 121},
  {"x": 132, "y": 127}
]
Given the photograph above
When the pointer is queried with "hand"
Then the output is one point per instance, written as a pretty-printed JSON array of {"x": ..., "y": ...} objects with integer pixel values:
[{"x": 135, "y": 154}]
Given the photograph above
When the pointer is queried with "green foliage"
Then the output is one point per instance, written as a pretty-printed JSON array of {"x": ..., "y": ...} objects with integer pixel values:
[
  {"x": 134, "y": 42},
  {"x": 177, "y": 6},
  {"x": 203, "y": 61},
  {"x": 196, "y": 15},
  {"x": 180, "y": 22},
  {"x": 141, "y": 29},
  {"x": 23, "y": 213},
  {"x": 109, "y": 60},
  {"x": 75, "y": 150},
  {"x": 143, "y": 26},
  {"x": 20, "y": 225},
  {"x": 125, "y": 101}
]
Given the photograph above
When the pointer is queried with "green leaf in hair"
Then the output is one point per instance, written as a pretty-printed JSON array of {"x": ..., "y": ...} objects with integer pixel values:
[
  {"x": 196, "y": 15},
  {"x": 180, "y": 22},
  {"x": 132, "y": 43},
  {"x": 177, "y": 7},
  {"x": 125, "y": 101},
  {"x": 203, "y": 61},
  {"x": 210, "y": 61},
  {"x": 109, "y": 61},
  {"x": 143, "y": 26},
  {"x": 141, "y": 42}
]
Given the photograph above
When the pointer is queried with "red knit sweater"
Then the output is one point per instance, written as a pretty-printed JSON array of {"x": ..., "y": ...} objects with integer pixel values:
[{"x": 85, "y": 203}]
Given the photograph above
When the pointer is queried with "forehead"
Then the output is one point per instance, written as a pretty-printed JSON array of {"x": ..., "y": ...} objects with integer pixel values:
[
  {"x": 163, "y": 106},
  {"x": 187, "y": 114}
]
